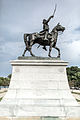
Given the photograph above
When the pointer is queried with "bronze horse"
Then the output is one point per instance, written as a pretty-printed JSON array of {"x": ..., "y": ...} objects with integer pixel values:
[{"x": 31, "y": 39}]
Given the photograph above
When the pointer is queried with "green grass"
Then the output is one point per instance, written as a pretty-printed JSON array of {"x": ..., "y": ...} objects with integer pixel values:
[
  {"x": 78, "y": 100},
  {"x": 0, "y": 99},
  {"x": 75, "y": 93},
  {"x": 3, "y": 91}
]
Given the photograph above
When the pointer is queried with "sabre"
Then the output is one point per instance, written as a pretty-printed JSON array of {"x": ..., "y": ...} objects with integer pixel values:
[{"x": 55, "y": 9}]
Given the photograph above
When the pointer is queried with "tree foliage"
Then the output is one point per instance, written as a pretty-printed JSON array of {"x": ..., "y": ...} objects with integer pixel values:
[
  {"x": 4, "y": 81},
  {"x": 73, "y": 74}
]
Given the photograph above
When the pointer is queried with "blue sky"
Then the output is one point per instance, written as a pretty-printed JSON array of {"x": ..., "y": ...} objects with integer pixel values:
[{"x": 25, "y": 16}]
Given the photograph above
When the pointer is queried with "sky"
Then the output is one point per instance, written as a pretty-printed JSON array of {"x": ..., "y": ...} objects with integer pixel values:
[{"x": 25, "y": 16}]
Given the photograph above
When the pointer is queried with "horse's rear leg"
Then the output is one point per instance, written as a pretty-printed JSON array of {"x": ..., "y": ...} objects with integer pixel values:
[
  {"x": 24, "y": 51},
  {"x": 30, "y": 47},
  {"x": 31, "y": 53},
  {"x": 58, "y": 51}
]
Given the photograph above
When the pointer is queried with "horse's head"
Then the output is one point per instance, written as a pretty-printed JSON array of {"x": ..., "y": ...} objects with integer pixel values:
[
  {"x": 57, "y": 28},
  {"x": 60, "y": 27}
]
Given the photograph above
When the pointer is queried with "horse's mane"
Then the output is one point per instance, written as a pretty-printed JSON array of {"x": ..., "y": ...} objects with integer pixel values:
[{"x": 53, "y": 29}]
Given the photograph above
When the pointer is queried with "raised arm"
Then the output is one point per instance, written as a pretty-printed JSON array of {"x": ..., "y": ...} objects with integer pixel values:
[{"x": 49, "y": 18}]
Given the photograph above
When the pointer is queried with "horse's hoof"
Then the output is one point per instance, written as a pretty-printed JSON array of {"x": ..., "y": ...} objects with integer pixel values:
[
  {"x": 33, "y": 55},
  {"x": 22, "y": 55},
  {"x": 58, "y": 56},
  {"x": 49, "y": 55}
]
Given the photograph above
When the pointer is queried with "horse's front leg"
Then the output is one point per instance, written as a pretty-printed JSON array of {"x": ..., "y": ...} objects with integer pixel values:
[
  {"x": 58, "y": 51},
  {"x": 50, "y": 48}
]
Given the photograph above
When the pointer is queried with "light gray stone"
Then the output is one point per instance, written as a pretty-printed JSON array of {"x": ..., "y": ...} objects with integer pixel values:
[{"x": 39, "y": 87}]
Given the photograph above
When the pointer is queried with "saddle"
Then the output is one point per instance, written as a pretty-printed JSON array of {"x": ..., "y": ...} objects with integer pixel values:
[{"x": 42, "y": 35}]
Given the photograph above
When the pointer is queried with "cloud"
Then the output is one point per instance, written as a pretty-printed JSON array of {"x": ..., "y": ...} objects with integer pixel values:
[
  {"x": 23, "y": 16},
  {"x": 71, "y": 53},
  {"x": 77, "y": 29}
]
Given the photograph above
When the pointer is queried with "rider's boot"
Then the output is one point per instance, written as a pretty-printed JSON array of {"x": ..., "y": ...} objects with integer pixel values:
[
  {"x": 45, "y": 48},
  {"x": 45, "y": 37}
]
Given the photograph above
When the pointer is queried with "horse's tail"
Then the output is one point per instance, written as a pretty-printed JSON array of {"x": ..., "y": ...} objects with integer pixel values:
[{"x": 26, "y": 39}]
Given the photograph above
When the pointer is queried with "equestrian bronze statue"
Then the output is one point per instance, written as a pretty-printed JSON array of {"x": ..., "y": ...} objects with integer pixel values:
[{"x": 44, "y": 37}]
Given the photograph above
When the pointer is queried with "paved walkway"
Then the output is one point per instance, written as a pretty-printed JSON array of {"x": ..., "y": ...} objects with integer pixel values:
[{"x": 3, "y": 92}]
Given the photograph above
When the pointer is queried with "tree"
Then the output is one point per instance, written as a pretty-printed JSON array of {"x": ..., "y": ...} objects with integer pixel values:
[
  {"x": 9, "y": 76},
  {"x": 5, "y": 81},
  {"x": 73, "y": 76}
]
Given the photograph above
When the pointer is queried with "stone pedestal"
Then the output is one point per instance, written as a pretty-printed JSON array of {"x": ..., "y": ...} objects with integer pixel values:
[{"x": 39, "y": 87}]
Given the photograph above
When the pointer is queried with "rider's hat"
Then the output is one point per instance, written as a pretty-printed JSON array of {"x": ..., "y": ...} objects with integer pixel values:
[{"x": 44, "y": 20}]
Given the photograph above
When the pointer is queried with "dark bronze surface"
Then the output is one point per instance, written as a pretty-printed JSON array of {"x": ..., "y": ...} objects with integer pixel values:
[{"x": 44, "y": 37}]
